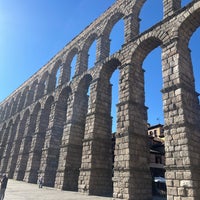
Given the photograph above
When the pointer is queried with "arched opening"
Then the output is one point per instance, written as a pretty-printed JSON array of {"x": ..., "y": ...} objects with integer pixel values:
[
  {"x": 2, "y": 132},
  {"x": 69, "y": 168},
  {"x": 88, "y": 53},
  {"x": 26, "y": 143},
  {"x": 99, "y": 125},
  {"x": 151, "y": 13},
  {"x": 113, "y": 35},
  {"x": 153, "y": 86},
  {"x": 114, "y": 80},
  {"x": 185, "y": 2},
  {"x": 115, "y": 98},
  {"x": 5, "y": 110},
  {"x": 51, "y": 149},
  {"x": 31, "y": 93},
  {"x": 13, "y": 166},
  {"x": 138, "y": 112},
  {"x": 73, "y": 67},
  {"x": 117, "y": 37},
  {"x": 9, "y": 108},
  {"x": 195, "y": 49},
  {"x": 92, "y": 55},
  {"x": 1, "y": 113},
  {"x": 69, "y": 66},
  {"x": 14, "y": 109},
  {"x": 4, "y": 141},
  {"x": 23, "y": 98},
  {"x": 37, "y": 143},
  {"x": 42, "y": 86},
  {"x": 155, "y": 118},
  {"x": 58, "y": 77},
  {"x": 7, "y": 152}
]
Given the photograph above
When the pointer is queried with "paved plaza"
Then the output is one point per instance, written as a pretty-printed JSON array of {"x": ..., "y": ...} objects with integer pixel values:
[{"x": 18, "y": 190}]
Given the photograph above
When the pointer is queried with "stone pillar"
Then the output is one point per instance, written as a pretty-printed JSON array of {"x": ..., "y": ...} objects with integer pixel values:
[
  {"x": 103, "y": 47},
  {"x": 51, "y": 149},
  {"x": 4, "y": 138},
  {"x": 96, "y": 168},
  {"x": 171, "y": 6},
  {"x": 182, "y": 119},
  {"x": 38, "y": 139},
  {"x": 50, "y": 155},
  {"x": 51, "y": 83},
  {"x": 82, "y": 62},
  {"x": 71, "y": 148},
  {"x": 30, "y": 96},
  {"x": 131, "y": 23},
  {"x": 34, "y": 157},
  {"x": 22, "y": 158},
  {"x": 25, "y": 146},
  {"x": 8, "y": 146},
  {"x": 132, "y": 178},
  {"x": 65, "y": 72},
  {"x": 21, "y": 129}
]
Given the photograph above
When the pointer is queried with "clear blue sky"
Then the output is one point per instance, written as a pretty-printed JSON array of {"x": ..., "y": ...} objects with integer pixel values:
[{"x": 33, "y": 31}]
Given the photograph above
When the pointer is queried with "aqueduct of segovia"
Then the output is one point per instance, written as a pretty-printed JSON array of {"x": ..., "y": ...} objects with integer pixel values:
[{"x": 64, "y": 134}]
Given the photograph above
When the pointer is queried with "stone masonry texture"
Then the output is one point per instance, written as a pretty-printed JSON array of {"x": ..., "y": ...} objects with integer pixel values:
[{"x": 57, "y": 129}]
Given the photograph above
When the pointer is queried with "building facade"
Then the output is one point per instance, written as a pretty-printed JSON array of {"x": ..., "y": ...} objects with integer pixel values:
[{"x": 54, "y": 128}]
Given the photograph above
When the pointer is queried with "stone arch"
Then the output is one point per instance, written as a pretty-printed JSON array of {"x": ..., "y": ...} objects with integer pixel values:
[
  {"x": 5, "y": 137},
  {"x": 156, "y": 14},
  {"x": 50, "y": 154},
  {"x": 31, "y": 93},
  {"x": 132, "y": 108},
  {"x": 131, "y": 19},
  {"x": 26, "y": 143},
  {"x": 23, "y": 99},
  {"x": 111, "y": 22},
  {"x": 109, "y": 67},
  {"x": 145, "y": 47},
  {"x": 5, "y": 108},
  {"x": 185, "y": 31},
  {"x": 133, "y": 22},
  {"x": 55, "y": 78},
  {"x": 188, "y": 26},
  {"x": 8, "y": 147},
  {"x": 21, "y": 129},
  {"x": 105, "y": 37},
  {"x": 139, "y": 53},
  {"x": 1, "y": 113},
  {"x": 71, "y": 149},
  {"x": 16, "y": 102},
  {"x": 98, "y": 135},
  {"x": 2, "y": 132},
  {"x": 84, "y": 83},
  {"x": 183, "y": 112},
  {"x": 67, "y": 72},
  {"x": 11, "y": 107},
  {"x": 37, "y": 142},
  {"x": 185, "y": 2},
  {"x": 84, "y": 53},
  {"x": 43, "y": 125},
  {"x": 42, "y": 85}
]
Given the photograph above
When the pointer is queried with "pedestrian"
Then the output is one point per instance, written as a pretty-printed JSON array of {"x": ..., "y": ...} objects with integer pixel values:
[
  {"x": 4, "y": 182},
  {"x": 40, "y": 181}
]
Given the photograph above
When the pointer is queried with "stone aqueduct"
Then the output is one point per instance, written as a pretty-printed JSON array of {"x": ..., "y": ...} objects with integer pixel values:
[{"x": 65, "y": 135}]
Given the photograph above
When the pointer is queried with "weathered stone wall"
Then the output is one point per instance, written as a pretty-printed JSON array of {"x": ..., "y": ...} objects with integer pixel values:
[{"x": 60, "y": 132}]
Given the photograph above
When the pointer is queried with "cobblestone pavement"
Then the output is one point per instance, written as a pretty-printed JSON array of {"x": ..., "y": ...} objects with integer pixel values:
[{"x": 18, "y": 190}]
